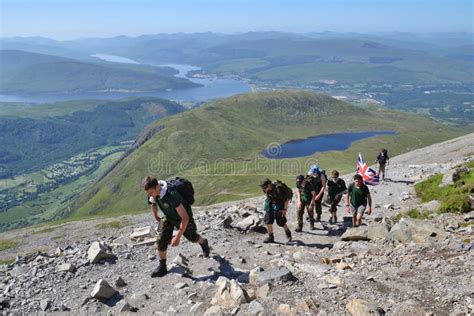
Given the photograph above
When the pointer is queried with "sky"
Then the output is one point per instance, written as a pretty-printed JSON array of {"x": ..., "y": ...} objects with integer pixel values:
[{"x": 69, "y": 19}]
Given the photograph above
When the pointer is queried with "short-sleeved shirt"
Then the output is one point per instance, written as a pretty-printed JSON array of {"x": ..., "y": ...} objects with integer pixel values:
[
  {"x": 382, "y": 158},
  {"x": 337, "y": 187},
  {"x": 358, "y": 196},
  {"x": 317, "y": 182},
  {"x": 305, "y": 192},
  {"x": 168, "y": 204}
]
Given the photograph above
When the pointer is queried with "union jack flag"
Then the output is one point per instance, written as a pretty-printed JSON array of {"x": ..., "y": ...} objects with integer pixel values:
[{"x": 368, "y": 174}]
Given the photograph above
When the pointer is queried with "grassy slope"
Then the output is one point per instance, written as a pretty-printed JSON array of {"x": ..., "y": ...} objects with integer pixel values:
[
  {"x": 24, "y": 72},
  {"x": 453, "y": 198},
  {"x": 195, "y": 143}
]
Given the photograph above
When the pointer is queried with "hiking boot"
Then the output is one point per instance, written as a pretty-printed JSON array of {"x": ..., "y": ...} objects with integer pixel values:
[
  {"x": 299, "y": 229},
  {"x": 334, "y": 220},
  {"x": 205, "y": 248},
  {"x": 318, "y": 218},
  {"x": 160, "y": 271},
  {"x": 269, "y": 239},
  {"x": 288, "y": 235},
  {"x": 331, "y": 221},
  {"x": 311, "y": 226}
]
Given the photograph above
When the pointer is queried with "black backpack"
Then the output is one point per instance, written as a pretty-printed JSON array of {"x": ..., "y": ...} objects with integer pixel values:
[
  {"x": 283, "y": 192},
  {"x": 184, "y": 188}
]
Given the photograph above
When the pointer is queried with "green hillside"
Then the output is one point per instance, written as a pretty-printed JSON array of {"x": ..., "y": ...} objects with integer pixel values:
[
  {"x": 218, "y": 146},
  {"x": 34, "y": 136},
  {"x": 24, "y": 72}
]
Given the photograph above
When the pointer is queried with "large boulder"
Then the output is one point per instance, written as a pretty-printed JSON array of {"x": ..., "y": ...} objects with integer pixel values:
[
  {"x": 99, "y": 251},
  {"x": 412, "y": 230},
  {"x": 357, "y": 307},
  {"x": 453, "y": 175}
]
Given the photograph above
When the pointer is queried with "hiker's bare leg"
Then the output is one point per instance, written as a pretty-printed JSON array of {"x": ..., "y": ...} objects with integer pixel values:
[
  {"x": 270, "y": 228},
  {"x": 162, "y": 254},
  {"x": 354, "y": 220},
  {"x": 359, "y": 219}
]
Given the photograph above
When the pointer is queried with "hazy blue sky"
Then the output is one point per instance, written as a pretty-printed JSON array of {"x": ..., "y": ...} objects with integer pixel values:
[{"x": 85, "y": 18}]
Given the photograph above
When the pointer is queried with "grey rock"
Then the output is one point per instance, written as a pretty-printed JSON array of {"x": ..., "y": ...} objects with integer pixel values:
[
  {"x": 275, "y": 275},
  {"x": 142, "y": 233},
  {"x": 408, "y": 230},
  {"x": 358, "y": 307},
  {"x": 213, "y": 310},
  {"x": 126, "y": 307},
  {"x": 248, "y": 223},
  {"x": 255, "y": 308},
  {"x": 120, "y": 282},
  {"x": 67, "y": 267},
  {"x": 44, "y": 304},
  {"x": 103, "y": 290},
  {"x": 263, "y": 291},
  {"x": 98, "y": 251},
  {"x": 312, "y": 268},
  {"x": 180, "y": 285}
]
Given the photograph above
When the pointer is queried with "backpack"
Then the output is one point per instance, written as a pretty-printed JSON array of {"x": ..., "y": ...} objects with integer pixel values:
[
  {"x": 282, "y": 191},
  {"x": 184, "y": 188}
]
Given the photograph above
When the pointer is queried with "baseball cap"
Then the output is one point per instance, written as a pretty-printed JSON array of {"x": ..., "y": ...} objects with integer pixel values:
[{"x": 299, "y": 178}]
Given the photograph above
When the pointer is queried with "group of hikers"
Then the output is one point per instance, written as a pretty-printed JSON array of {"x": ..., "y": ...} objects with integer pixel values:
[{"x": 175, "y": 197}]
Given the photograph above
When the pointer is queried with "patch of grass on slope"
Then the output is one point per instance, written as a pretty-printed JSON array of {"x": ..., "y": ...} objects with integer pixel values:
[
  {"x": 453, "y": 198},
  {"x": 218, "y": 147}
]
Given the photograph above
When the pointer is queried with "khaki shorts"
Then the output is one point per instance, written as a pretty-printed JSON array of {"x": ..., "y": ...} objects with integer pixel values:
[
  {"x": 359, "y": 209},
  {"x": 165, "y": 234}
]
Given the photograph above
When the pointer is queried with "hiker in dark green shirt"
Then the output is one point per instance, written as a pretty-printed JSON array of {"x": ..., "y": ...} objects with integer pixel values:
[
  {"x": 358, "y": 197},
  {"x": 305, "y": 200},
  {"x": 176, "y": 214},
  {"x": 278, "y": 196},
  {"x": 336, "y": 188}
]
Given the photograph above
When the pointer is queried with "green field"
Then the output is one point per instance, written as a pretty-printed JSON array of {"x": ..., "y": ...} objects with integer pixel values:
[
  {"x": 218, "y": 147},
  {"x": 54, "y": 204}
]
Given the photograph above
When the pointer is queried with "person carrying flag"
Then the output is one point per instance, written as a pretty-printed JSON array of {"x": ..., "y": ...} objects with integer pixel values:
[{"x": 358, "y": 197}]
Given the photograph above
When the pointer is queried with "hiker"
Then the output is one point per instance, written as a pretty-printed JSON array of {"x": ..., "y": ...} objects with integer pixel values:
[
  {"x": 276, "y": 206},
  {"x": 358, "y": 196},
  {"x": 305, "y": 200},
  {"x": 177, "y": 213},
  {"x": 318, "y": 180},
  {"x": 382, "y": 159},
  {"x": 336, "y": 188}
]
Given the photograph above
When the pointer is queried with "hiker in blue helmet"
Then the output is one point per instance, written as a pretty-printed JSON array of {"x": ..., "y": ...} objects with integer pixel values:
[{"x": 318, "y": 180}]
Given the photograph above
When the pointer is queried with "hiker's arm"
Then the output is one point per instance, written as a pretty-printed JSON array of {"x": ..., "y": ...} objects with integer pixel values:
[
  {"x": 313, "y": 197},
  {"x": 347, "y": 202},
  {"x": 154, "y": 210},
  {"x": 298, "y": 198},
  {"x": 182, "y": 227},
  {"x": 285, "y": 207},
  {"x": 369, "y": 201}
]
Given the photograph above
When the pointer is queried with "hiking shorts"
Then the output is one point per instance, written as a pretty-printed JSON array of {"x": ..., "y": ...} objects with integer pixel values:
[
  {"x": 358, "y": 210},
  {"x": 165, "y": 234},
  {"x": 271, "y": 217}
]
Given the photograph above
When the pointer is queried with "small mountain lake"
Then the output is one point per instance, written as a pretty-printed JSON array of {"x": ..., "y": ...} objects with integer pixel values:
[{"x": 321, "y": 143}]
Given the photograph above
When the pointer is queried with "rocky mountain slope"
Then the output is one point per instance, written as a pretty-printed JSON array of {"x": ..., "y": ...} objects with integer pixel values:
[{"x": 388, "y": 266}]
